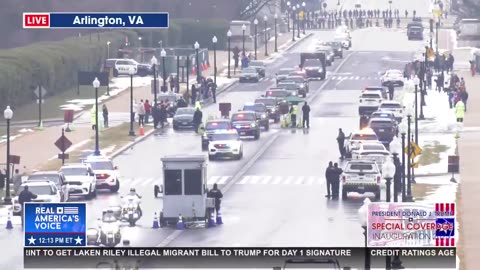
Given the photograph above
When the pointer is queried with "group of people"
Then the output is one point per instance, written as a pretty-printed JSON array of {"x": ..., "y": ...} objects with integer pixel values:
[
  {"x": 332, "y": 175},
  {"x": 457, "y": 96},
  {"x": 204, "y": 89},
  {"x": 293, "y": 114}
]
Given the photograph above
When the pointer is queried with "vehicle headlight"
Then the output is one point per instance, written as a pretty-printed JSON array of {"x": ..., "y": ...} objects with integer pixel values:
[
  {"x": 302, "y": 85},
  {"x": 253, "y": 125},
  {"x": 264, "y": 115},
  {"x": 238, "y": 126}
]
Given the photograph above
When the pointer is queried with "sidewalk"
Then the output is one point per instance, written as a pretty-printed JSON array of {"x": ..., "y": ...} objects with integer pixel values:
[{"x": 36, "y": 148}]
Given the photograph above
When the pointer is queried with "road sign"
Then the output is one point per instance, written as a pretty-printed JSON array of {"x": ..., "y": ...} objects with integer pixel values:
[
  {"x": 414, "y": 150},
  {"x": 415, "y": 165},
  {"x": 63, "y": 143},
  {"x": 37, "y": 91},
  {"x": 152, "y": 90},
  {"x": 38, "y": 101},
  {"x": 14, "y": 159}
]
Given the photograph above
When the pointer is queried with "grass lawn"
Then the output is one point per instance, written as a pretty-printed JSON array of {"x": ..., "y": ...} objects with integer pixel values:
[
  {"x": 420, "y": 191},
  {"x": 116, "y": 137},
  {"x": 431, "y": 153},
  {"x": 51, "y": 105}
]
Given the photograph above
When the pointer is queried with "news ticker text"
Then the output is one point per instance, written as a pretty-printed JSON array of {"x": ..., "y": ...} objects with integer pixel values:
[{"x": 234, "y": 257}]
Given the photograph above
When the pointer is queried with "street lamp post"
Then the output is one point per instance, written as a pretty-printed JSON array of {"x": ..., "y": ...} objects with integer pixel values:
[
  {"x": 303, "y": 19},
  {"x": 298, "y": 21},
  {"x": 229, "y": 36},
  {"x": 265, "y": 19},
  {"x": 163, "y": 54},
  {"x": 362, "y": 217},
  {"x": 177, "y": 85},
  {"x": 395, "y": 149},
  {"x": 388, "y": 171},
  {"x": 276, "y": 35},
  {"x": 8, "y": 114},
  {"x": 244, "y": 27},
  {"x": 214, "y": 41},
  {"x": 255, "y": 22},
  {"x": 288, "y": 16},
  {"x": 96, "y": 85},
  {"x": 409, "y": 165},
  {"x": 294, "y": 16},
  {"x": 197, "y": 46},
  {"x": 154, "y": 63},
  {"x": 132, "y": 72},
  {"x": 108, "y": 49},
  {"x": 140, "y": 45},
  {"x": 403, "y": 134},
  {"x": 416, "y": 80}
]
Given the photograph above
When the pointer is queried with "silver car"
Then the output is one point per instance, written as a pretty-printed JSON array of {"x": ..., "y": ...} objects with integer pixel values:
[{"x": 249, "y": 74}]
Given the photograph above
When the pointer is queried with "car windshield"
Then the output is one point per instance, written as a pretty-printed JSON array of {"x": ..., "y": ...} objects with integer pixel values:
[
  {"x": 382, "y": 115},
  {"x": 284, "y": 71},
  {"x": 185, "y": 111},
  {"x": 45, "y": 177},
  {"x": 166, "y": 98},
  {"x": 255, "y": 107},
  {"x": 375, "y": 89},
  {"x": 364, "y": 167},
  {"x": 289, "y": 86},
  {"x": 267, "y": 101},
  {"x": 74, "y": 171},
  {"x": 371, "y": 96},
  {"x": 218, "y": 125},
  {"x": 364, "y": 137},
  {"x": 277, "y": 94},
  {"x": 415, "y": 28},
  {"x": 380, "y": 123},
  {"x": 224, "y": 137},
  {"x": 373, "y": 147},
  {"x": 367, "y": 153},
  {"x": 244, "y": 117},
  {"x": 296, "y": 79},
  {"x": 312, "y": 63},
  {"x": 390, "y": 105},
  {"x": 40, "y": 190},
  {"x": 249, "y": 70},
  {"x": 256, "y": 64},
  {"x": 102, "y": 165}
]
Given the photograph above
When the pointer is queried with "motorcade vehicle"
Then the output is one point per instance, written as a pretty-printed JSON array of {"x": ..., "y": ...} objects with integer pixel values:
[
  {"x": 260, "y": 111},
  {"x": 259, "y": 65},
  {"x": 392, "y": 77},
  {"x": 361, "y": 176},
  {"x": 46, "y": 192},
  {"x": 183, "y": 118},
  {"x": 80, "y": 180},
  {"x": 385, "y": 129},
  {"x": 110, "y": 234},
  {"x": 382, "y": 89},
  {"x": 302, "y": 84},
  {"x": 300, "y": 73},
  {"x": 372, "y": 151},
  {"x": 384, "y": 114},
  {"x": 272, "y": 107},
  {"x": 212, "y": 126},
  {"x": 329, "y": 53},
  {"x": 122, "y": 67},
  {"x": 393, "y": 106},
  {"x": 336, "y": 46},
  {"x": 249, "y": 74},
  {"x": 279, "y": 94},
  {"x": 246, "y": 124},
  {"x": 314, "y": 64},
  {"x": 357, "y": 138},
  {"x": 106, "y": 174},
  {"x": 415, "y": 30},
  {"x": 369, "y": 101},
  {"x": 225, "y": 143},
  {"x": 54, "y": 176},
  {"x": 131, "y": 211},
  {"x": 283, "y": 73},
  {"x": 290, "y": 86}
]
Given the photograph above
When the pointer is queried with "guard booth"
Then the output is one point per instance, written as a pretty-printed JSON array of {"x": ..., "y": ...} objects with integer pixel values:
[{"x": 184, "y": 190}]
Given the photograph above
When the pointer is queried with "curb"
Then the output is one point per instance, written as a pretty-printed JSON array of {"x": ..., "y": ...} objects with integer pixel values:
[
  {"x": 128, "y": 145},
  {"x": 431, "y": 175}
]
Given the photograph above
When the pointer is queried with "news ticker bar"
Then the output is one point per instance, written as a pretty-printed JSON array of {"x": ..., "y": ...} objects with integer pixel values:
[
  {"x": 79, "y": 20},
  {"x": 417, "y": 258}
]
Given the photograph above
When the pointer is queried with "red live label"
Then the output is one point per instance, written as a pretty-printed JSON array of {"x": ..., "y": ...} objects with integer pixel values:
[{"x": 36, "y": 20}]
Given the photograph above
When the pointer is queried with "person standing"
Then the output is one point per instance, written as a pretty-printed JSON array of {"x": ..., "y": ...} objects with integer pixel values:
[
  {"x": 23, "y": 197},
  {"x": 197, "y": 119},
  {"x": 306, "y": 115},
  {"x": 172, "y": 83},
  {"x": 194, "y": 94},
  {"x": 148, "y": 111},
  {"x": 464, "y": 97},
  {"x": 217, "y": 195},
  {"x": 213, "y": 86},
  {"x": 341, "y": 143},
  {"x": 105, "y": 115},
  {"x": 163, "y": 115},
  {"x": 336, "y": 172},
  {"x": 460, "y": 111},
  {"x": 156, "y": 115},
  {"x": 328, "y": 177},
  {"x": 391, "y": 91},
  {"x": 2, "y": 179},
  {"x": 17, "y": 181},
  {"x": 293, "y": 115},
  {"x": 141, "y": 112}
]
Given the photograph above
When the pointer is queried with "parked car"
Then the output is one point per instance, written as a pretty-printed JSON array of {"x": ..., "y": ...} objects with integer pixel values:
[
  {"x": 249, "y": 74},
  {"x": 183, "y": 118},
  {"x": 259, "y": 66}
]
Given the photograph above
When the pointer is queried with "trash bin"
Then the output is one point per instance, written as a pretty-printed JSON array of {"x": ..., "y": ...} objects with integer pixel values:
[{"x": 68, "y": 116}]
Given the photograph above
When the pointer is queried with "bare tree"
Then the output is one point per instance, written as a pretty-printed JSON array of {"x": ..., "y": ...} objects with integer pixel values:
[{"x": 247, "y": 9}]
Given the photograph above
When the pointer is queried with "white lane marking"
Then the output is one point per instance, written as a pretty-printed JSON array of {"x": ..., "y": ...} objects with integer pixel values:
[
  {"x": 222, "y": 180},
  {"x": 333, "y": 78},
  {"x": 357, "y": 78},
  {"x": 145, "y": 182},
  {"x": 136, "y": 181},
  {"x": 244, "y": 180},
  {"x": 212, "y": 180},
  {"x": 288, "y": 180},
  {"x": 277, "y": 180},
  {"x": 254, "y": 180},
  {"x": 310, "y": 180},
  {"x": 299, "y": 180},
  {"x": 265, "y": 180},
  {"x": 352, "y": 78}
]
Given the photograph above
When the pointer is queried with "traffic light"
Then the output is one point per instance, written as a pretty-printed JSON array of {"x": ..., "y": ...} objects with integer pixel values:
[{"x": 431, "y": 25}]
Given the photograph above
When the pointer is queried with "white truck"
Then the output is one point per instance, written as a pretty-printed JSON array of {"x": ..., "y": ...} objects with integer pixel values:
[{"x": 361, "y": 175}]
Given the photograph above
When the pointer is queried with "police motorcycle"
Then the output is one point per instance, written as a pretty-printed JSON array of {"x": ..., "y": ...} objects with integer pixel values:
[
  {"x": 131, "y": 211},
  {"x": 108, "y": 232}
]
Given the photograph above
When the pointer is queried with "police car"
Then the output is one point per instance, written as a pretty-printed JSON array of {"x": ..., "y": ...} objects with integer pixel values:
[
  {"x": 369, "y": 102},
  {"x": 123, "y": 66},
  {"x": 46, "y": 191},
  {"x": 246, "y": 124},
  {"x": 213, "y": 126},
  {"x": 359, "y": 137},
  {"x": 372, "y": 151},
  {"x": 107, "y": 175},
  {"x": 225, "y": 143},
  {"x": 80, "y": 180},
  {"x": 392, "y": 106},
  {"x": 361, "y": 175},
  {"x": 392, "y": 77}
]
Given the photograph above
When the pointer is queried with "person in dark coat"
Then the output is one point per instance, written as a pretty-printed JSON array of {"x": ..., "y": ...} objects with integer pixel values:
[
  {"x": 306, "y": 115},
  {"x": 217, "y": 195},
  {"x": 397, "y": 178},
  {"x": 156, "y": 115},
  {"x": 197, "y": 119},
  {"x": 464, "y": 98},
  {"x": 194, "y": 94},
  {"x": 181, "y": 103},
  {"x": 25, "y": 196},
  {"x": 341, "y": 143},
  {"x": 328, "y": 177},
  {"x": 336, "y": 172},
  {"x": 2, "y": 179},
  {"x": 105, "y": 115},
  {"x": 213, "y": 87},
  {"x": 163, "y": 115},
  {"x": 391, "y": 91}
]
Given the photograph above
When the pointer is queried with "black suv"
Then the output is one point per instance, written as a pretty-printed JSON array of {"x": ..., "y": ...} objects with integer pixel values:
[
  {"x": 246, "y": 124},
  {"x": 211, "y": 126},
  {"x": 385, "y": 128},
  {"x": 261, "y": 111},
  {"x": 272, "y": 107}
]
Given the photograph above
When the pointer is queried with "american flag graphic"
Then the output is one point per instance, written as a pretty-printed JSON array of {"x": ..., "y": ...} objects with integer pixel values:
[
  {"x": 445, "y": 242},
  {"x": 68, "y": 210},
  {"x": 445, "y": 207}
]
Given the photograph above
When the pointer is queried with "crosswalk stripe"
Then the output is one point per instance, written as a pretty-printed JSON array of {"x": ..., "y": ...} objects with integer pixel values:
[
  {"x": 254, "y": 179},
  {"x": 265, "y": 180},
  {"x": 288, "y": 180},
  {"x": 299, "y": 180},
  {"x": 334, "y": 77},
  {"x": 136, "y": 181},
  {"x": 222, "y": 180},
  {"x": 352, "y": 77},
  {"x": 277, "y": 180},
  {"x": 310, "y": 180},
  {"x": 357, "y": 78},
  {"x": 212, "y": 180},
  {"x": 244, "y": 180}
]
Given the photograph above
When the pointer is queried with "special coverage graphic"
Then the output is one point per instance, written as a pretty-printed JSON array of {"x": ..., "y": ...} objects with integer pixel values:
[
  {"x": 55, "y": 224},
  {"x": 411, "y": 225}
]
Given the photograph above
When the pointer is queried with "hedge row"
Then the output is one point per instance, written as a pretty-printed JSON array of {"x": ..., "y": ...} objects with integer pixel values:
[{"x": 54, "y": 65}]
